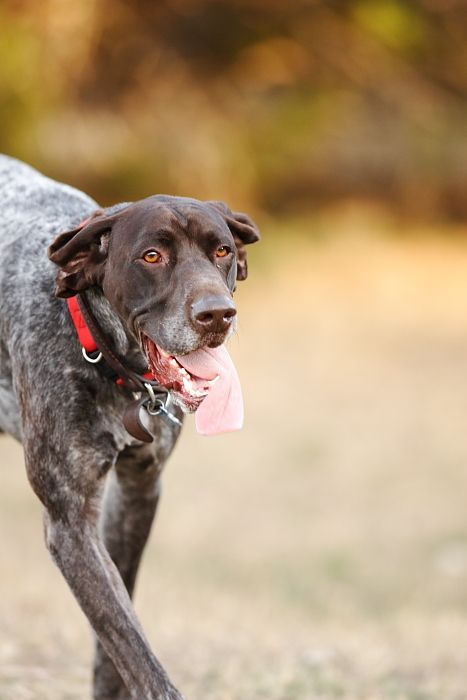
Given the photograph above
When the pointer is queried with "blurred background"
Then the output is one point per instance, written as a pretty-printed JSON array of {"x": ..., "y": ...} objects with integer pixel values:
[{"x": 321, "y": 552}]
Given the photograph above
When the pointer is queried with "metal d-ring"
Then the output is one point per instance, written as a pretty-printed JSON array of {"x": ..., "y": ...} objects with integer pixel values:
[
  {"x": 92, "y": 360},
  {"x": 155, "y": 406},
  {"x": 152, "y": 397}
]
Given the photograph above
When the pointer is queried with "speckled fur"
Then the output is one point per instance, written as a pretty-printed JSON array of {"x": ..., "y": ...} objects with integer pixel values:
[
  {"x": 99, "y": 486},
  {"x": 69, "y": 421}
]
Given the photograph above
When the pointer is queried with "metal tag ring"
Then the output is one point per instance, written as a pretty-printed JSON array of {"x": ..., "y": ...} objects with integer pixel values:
[{"x": 155, "y": 408}]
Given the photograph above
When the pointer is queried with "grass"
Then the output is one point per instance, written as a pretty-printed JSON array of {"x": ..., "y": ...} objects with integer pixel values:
[{"x": 321, "y": 553}]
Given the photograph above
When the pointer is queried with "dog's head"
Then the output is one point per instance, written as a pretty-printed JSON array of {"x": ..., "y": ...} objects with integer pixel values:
[{"x": 168, "y": 266}]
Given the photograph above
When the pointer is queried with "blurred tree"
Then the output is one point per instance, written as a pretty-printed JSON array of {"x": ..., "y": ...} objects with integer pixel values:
[{"x": 280, "y": 105}]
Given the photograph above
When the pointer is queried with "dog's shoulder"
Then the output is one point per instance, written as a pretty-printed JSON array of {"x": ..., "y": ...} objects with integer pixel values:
[
  {"x": 30, "y": 198},
  {"x": 35, "y": 209}
]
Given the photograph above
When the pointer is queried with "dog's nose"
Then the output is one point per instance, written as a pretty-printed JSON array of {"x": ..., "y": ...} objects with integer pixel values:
[{"x": 213, "y": 314}]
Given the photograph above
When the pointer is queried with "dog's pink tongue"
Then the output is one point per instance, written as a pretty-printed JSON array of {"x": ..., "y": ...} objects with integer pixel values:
[{"x": 222, "y": 409}]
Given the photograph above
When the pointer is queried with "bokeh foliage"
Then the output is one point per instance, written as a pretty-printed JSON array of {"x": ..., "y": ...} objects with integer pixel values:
[{"x": 272, "y": 105}]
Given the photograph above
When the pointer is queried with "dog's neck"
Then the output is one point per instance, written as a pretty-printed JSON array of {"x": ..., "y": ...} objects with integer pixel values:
[{"x": 119, "y": 338}]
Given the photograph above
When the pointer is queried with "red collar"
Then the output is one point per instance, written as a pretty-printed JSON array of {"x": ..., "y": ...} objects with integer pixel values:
[
  {"x": 82, "y": 331},
  {"x": 88, "y": 343},
  {"x": 153, "y": 400}
]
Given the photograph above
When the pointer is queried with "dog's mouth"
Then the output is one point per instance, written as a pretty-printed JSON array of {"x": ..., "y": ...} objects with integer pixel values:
[
  {"x": 204, "y": 381},
  {"x": 170, "y": 372}
]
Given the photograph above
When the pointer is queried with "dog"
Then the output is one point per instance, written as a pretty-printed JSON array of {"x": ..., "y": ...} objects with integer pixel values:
[{"x": 154, "y": 280}]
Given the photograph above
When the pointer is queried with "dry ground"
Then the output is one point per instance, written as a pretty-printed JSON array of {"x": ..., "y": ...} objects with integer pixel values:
[{"x": 322, "y": 552}]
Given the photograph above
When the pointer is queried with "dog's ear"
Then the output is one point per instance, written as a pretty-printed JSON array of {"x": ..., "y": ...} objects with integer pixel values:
[
  {"x": 81, "y": 254},
  {"x": 244, "y": 231}
]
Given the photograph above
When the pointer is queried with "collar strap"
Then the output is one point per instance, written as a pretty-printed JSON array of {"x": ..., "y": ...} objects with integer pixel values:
[
  {"x": 96, "y": 349},
  {"x": 84, "y": 334}
]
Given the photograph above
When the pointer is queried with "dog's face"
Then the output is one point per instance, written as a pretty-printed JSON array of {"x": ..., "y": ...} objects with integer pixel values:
[{"x": 168, "y": 267}]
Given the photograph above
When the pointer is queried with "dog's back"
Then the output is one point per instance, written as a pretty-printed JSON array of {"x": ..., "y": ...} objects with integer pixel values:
[
  {"x": 34, "y": 206},
  {"x": 34, "y": 210}
]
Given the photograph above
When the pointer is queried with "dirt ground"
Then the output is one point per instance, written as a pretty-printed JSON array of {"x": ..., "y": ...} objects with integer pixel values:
[{"x": 321, "y": 553}]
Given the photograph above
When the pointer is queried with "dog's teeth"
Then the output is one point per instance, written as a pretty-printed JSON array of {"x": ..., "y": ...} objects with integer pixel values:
[
  {"x": 184, "y": 372},
  {"x": 173, "y": 362},
  {"x": 190, "y": 387}
]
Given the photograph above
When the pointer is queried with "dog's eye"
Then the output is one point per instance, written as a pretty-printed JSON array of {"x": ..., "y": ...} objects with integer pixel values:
[
  {"x": 222, "y": 251},
  {"x": 152, "y": 256}
]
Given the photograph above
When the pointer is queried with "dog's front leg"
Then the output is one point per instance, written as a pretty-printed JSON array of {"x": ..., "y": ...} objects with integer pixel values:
[
  {"x": 70, "y": 488},
  {"x": 131, "y": 498}
]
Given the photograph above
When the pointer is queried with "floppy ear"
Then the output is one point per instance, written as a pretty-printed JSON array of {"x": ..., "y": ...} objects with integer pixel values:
[
  {"x": 81, "y": 254},
  {"x": 244, "y": 231}
]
